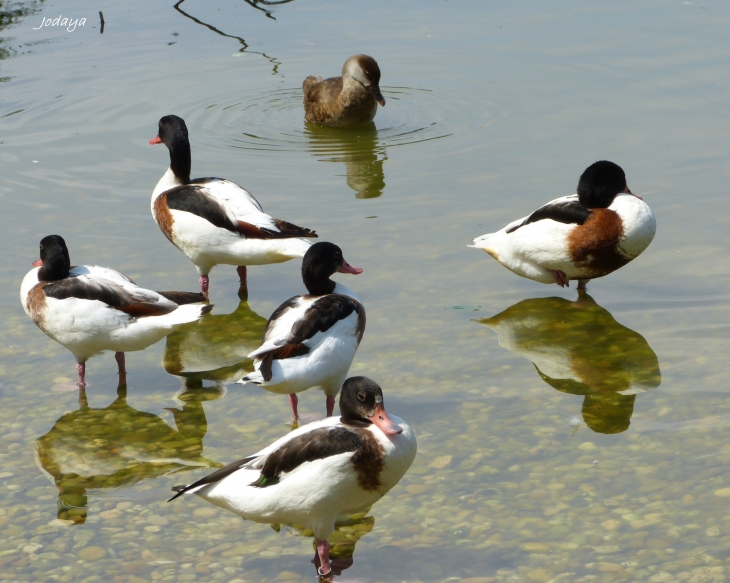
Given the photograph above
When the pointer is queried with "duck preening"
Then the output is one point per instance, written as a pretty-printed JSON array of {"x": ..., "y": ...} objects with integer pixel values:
[
  {"x": 89, "y": 309},
  {"x": 215, "y": 221},
  {"x": 310, "y": 340},
  {"x": 324, "y": 470},
  {"x": 583, "y": 236},
  {"x": 349, "y": 100}
]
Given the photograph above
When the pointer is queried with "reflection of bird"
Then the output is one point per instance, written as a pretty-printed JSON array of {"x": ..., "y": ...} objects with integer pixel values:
[
  {"x": 89, "y": 309},
  {"x": 310, "y": 340},
  {"x": 358, "y": 148},
  {"x": 216, "y": 347},
  {"x": 214, "y": 221},
  {"x": 119, "y": 446},
  {"x": 581, "y": 236},
  {"x": 319, "y": 472},
  {"x": 579, "y": 348},
  {"x": 342, "y": 541},
  {"x": 349, "y": 100}
]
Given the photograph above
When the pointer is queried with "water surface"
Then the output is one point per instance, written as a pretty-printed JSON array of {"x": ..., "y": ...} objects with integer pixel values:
[{"x": 614, "y": 469}]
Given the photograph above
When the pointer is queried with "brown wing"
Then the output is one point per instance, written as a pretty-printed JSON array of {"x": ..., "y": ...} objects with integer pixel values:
[
  {"x": 324, "y": 313},
  {"x": 325, "y": 91}
]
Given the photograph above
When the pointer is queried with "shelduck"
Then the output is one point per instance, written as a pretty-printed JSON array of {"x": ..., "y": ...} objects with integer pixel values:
[
  {"x": 89, "y": 309},
  {"x": 215, "y": 221},
  {"x": 583, "y": 236},
  {"x": 324, "y": 470},
  {"x": 349, "y": 100},
  {"x": 310, "y": 340}
]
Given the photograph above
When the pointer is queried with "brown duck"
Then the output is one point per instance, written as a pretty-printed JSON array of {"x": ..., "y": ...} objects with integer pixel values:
[{"x": 349, "y": 100}]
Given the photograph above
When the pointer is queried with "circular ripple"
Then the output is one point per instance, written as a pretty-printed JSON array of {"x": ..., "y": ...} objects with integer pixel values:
[{"x": 273, "y": 121}]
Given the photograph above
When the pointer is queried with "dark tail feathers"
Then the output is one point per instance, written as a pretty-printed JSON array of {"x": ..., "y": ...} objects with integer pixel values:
[{"x": 182, "y": 298}]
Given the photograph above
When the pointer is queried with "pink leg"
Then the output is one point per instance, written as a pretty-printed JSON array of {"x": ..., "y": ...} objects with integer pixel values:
[
  {"x": 81, "y": 370},
  {"x": 323, "y": 551},
  {"x": 560, "y": 277},
  {"x": 583, "y": 284},
  {"x": 330, "y": 406},
  {"x": 119, "y": 356},
  {"x": 293, "y": 399},
  {"x": 204, "y": 284},
  {"x": 241, "y": 270}
]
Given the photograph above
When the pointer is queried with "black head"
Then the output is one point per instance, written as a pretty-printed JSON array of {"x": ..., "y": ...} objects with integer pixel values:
[
  {"x": 600, "y": 183},
  {"x": 172, "y": 129},
  {"x": 55, "y": 262},
  {"x": 173, "y": 132},
  {"x": 361, "y": 404},
  {"x": 321, "y": 261}
]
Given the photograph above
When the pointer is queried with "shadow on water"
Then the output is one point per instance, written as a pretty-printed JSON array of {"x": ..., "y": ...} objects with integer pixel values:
[
  {"x": 117, "y": 445},
  {"x": 215, "y": 347},
  {"x": 245, "y": 47},
  {"x": 359, "y": 149},
  {"x": 578, "y": 347}
]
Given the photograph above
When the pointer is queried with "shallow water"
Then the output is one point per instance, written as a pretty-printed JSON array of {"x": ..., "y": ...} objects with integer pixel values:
[{"x": 607, "y": 463}]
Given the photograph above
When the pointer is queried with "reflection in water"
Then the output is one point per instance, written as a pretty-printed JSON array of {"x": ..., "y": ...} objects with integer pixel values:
[
  {"x": 120, "y": 446},
  {"x": 578, "y": 348},
  {"x": 215, "y": 347},
  {"x": 244, "y": 48},
  {"x": 255, "y": 4},
  {"x": 10, "y": 14},
  {"x": 342, "y": 540},
  {"x": 358, "y": 148}
]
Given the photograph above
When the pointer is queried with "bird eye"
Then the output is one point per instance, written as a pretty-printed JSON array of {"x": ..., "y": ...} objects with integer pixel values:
[
  {"x": 337, "y": 255},
  {"x": 361, "y": 397}
]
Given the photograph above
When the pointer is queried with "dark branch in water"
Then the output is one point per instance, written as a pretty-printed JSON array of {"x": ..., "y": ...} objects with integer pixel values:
[
  {"x": 255, "y": 4},
  {"x": 101, "y": 16},
  {"x": 272, "y": 60}
]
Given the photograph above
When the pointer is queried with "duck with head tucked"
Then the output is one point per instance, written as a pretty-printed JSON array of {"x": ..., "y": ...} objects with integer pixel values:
[
  {"x": 582, "y": 236},
  {"x": 89, "y": 309},
  {"x": 349, "y": 100}
]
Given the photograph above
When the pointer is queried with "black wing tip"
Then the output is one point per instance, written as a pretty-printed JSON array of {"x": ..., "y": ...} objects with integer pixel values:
[
  {"x": 180, "y": 491},
  {"x": 287, "y": 229},
  {"x": 182, "y": 298},
  {"x": 265, "y": 367},
  {"x": 206, "y": 309}
]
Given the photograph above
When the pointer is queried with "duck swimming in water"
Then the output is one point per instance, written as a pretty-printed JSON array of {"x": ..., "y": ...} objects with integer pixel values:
[
  {"x": 349, "y": 100},
  {"x": 582, "y": 236}
]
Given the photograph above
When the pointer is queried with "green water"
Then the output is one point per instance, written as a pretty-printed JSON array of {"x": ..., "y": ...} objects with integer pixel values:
[{"x": 560, "y": 438}]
